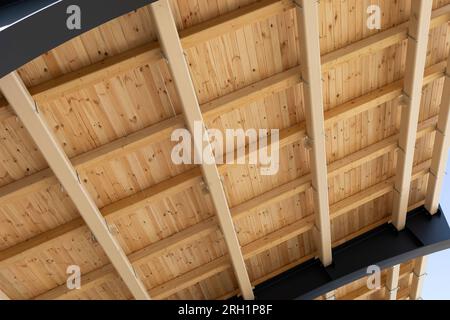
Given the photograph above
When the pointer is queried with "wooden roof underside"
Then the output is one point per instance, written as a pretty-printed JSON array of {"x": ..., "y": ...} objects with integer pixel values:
[{"x": 111, "y": 102}]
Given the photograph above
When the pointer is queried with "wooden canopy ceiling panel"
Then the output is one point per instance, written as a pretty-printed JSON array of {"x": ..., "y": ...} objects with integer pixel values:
[
  {"x": 18, "y": 154},
  {"x": 124, "y": 176},
  {"x": 110, "y": 39},
  {"x": 222, "y": 60},
  {"x": 217, "y": 286},
  {"x": 281, "y": 255},
  {"x": 24, "y": 217},
  {"x": 246, "y": 182},
  {"x": 99, "y": 114},
  {"x": 359, "y": 218},
  {"x": 362, "y": 75},
  {"x": 239, "y": 58},
  {"x": 32, "y": 275},
  {"x": 344, "y": 22},
  {"x": 191, "y": 13},
  {"x": 280, "y": 110},
  {"x": 358, "y": 179},
  {"x": 161, "y": 219},
  {"x": 261, "y": 222},
  {"x": 159, "y": 270}
]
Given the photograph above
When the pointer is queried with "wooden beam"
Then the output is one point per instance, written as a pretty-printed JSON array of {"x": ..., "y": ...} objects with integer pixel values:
[
  {"x": 379, "y": 41},
  {"x": 132, "y": 142},
  {"x": 308, "y": 28},
  {"x": 150, "y": 53},
  {"x": 440, "y": 149},
  {"x": 250, "y": 250},
  {"x": 171, "y": 46},
  {"x": 392, "y": 278},
  {"x": 19, "y": 98},
  {"x": 237, "y": 99},
  {"x": 419, "y": 274},
  {"x": 139, "y": 257},
  {"x": 269, "y": 241},
  {"x": 419, "y": 25},
  {"x": 192, "y": 177}
]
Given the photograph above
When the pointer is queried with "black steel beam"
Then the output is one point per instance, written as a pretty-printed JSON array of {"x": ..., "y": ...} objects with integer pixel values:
[
  {"x": 29, "y": 28},
  {"x": 384, "y": 246}
]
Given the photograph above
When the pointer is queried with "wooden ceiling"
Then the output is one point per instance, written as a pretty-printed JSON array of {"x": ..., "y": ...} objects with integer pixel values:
[{"x": 112, "y": 99}]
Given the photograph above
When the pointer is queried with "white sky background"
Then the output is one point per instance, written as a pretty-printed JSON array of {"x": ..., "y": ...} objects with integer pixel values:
[{"x": 437, "y": 281}]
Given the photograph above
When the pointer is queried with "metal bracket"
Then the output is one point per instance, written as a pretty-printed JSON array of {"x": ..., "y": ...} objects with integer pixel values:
[
  {"x": 420, "y": 276},
  {"x": 36, "y": 108},
  {"x": 439, "y": 130},
  {"x": 404, "y": 99},
  {"x": 112, "y": 228},
  {"x": 93, "y": 238},
  {"x": 205, "y": 187},
  {"x": 298, "y": 5},
  {"x": 392, "y": 290},
  {"x": 395, "y": 190},
  {"x": 308, "y": 142},
  {"x": 78, "y": 176},
  {"x": 163, "y": 56},
  {"x": 430, "y": 171},
  {"x": 410, "y": 37}
]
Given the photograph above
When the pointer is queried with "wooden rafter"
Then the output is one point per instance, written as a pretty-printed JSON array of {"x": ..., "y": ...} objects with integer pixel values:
[
  {"x": 171, "y": 46},
  {"x": 19, "y": 98},
  {"x": 229, "y": 102},
  {"x": 192, "y": 177},
  {"x": 392, "y": 280},
  {"x": 419, "y": 25},
  {"x": 419, "y": 275},
  {"x": 308, "y": 24},
  {"x": 365, "y": 48},
  {"x": 150, "y": 53},
  {"x": 250, "y": 250},
  {"x": 440, "y": 149}
]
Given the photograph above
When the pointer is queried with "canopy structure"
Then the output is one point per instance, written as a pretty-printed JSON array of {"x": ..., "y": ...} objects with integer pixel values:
[{"x": 351, "y": 97}]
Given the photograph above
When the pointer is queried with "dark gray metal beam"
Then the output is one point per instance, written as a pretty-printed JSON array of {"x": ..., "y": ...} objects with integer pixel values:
[{"x": 384, "y": 246}]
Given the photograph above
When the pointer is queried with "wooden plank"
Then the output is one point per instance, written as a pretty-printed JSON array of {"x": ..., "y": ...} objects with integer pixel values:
[
  {"x": 18, "y": 96},
  {"x": 392, "y": 278},
  {"x": 171, "y": 46},
  {"x": 150, "y": 135},
  {"x": 412, "y": 92},
  {"x": 150, "y": 53},
  {"x": 233, "y": 21},
  {"x": 193, "y": 176},
  {"x": 379, "y": 41},
  {"x": 250, "y": 250},
  {"x": 308, "y": 28},
  {"x": 139, "y": 257},
  {"x": 419, "y": 274},
  {"x": 440, "y": 149}
]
